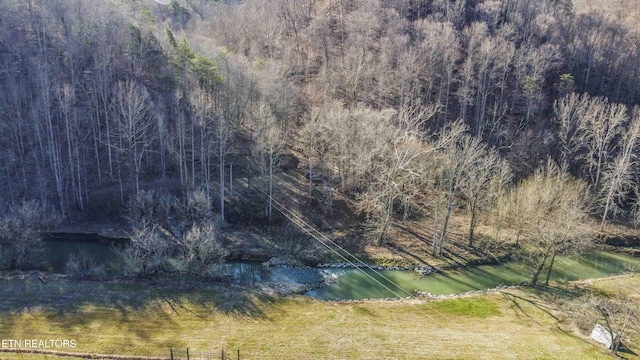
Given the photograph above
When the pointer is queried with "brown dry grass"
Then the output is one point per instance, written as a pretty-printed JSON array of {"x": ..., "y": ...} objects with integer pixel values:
[{"x": 500, "y": 325}]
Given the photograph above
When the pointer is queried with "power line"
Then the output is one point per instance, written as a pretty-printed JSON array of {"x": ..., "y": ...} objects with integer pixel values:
[
  {"x": 296, "y": 219},
  {"x": 293, "y": 216}
]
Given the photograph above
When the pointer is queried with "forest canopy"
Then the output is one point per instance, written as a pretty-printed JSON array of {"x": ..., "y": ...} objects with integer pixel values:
[{"x": 405, "y": 107}]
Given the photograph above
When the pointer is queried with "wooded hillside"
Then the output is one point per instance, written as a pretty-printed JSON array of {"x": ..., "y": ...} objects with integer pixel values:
[{"x": 407, "y": 108}]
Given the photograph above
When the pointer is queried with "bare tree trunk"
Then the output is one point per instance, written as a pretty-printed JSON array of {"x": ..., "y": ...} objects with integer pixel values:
[
  {"x": 97, "y": 137},
  {"x": 434, "y": 250},
  {"x": 53, "y": 143},
  {"x": 230, "y": 179},
  {"x": 66, "y": 97},
  {"x": 193, "y": 152},
  {"x": 310, "y": 181},
  {"x": 271, "y": 164},
  {"x": 387, "y": 216},
  {"x": 473, "y": 222},
  {"x": 221, "y": 151},
  {"x": 445, "y": 226},
  {"x": 537, "y": 271},
  {"x": 553, "y": 261}
]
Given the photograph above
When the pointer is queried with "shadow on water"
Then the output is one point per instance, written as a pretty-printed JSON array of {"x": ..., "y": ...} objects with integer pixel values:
[
  {"x": 353, "y": 284},
  {"x": 56, "y": 253},
  {"x": 328, "y": 284}
]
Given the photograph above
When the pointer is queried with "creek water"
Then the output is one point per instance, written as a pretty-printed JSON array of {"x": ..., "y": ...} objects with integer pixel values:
[
  {"x": 349, "y": 283},
  {"x": 355, "y": 284},
  {"x": 57, "y": 252}
]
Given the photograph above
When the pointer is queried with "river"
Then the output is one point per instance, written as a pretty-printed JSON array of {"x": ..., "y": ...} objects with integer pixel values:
[
  {"x": 352, "y": 284},
  {"x": 349, "y": 283}
]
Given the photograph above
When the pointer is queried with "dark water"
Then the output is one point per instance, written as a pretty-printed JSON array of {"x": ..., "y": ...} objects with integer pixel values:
[
  {"x": 57, "y": 252},
  {"x": 356, "y": 284}
]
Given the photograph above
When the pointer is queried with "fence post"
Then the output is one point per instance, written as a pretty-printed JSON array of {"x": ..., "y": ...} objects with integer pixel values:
[
  {"x": 238, "y": 354},
  {"x": 187, "y": 353},
  {"x": 222, "y": 357},
  {"x": 171, "y": 350}
]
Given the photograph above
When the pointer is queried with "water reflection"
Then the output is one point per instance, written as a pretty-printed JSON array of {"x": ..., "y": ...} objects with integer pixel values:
[
  {"x": 330, "y": 283},
  {"x": 241, "y": 273},
  {"x": 56, "y": 253},
  {"x": 356, "y": 284}
]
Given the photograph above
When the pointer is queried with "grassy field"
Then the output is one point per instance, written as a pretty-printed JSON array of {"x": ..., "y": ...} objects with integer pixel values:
[{"x": 148, "y": 319}]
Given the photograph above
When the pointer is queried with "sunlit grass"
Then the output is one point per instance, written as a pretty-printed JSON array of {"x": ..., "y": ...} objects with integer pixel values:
[
  {"x": 491, "y": 326},
  {"x": 625, "y": 285},
  {"x": 478, "y": 307}
]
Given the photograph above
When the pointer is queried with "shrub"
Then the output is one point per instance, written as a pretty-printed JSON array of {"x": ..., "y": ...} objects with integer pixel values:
[
  {"x": 200, "y": 247},
  {"x": 165, "y": 228},
  {"x": 21, "y": 229},
  {"x": 147, "y": 252},
  {"x": 83, "y": 266}
]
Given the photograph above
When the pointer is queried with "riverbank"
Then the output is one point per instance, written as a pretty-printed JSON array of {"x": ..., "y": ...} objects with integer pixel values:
[
  {"x": 294, "y": 248},
  {"x": 341, "y": 233},
  {"x": 345, "y": 281},
  {"x": 330, "y": 281}
]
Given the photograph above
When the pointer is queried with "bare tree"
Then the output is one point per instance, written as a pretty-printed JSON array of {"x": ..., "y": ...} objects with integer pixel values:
[
  {"x": 214, "y": 132},
  {"x": 100, "y": 86},
  {"x": 595, "y": 131},
  {"x": 147, "y": 251},
  {"x": 533, "y": 64},
  {"x": 48, "y": 132},
  {"x": 316, "y": 145},
  {"x": 200, "y": 247},
  {"x": 484, "y": 76},
  {"x": 487, "y": 178},
  {"x": 14, "y": 115},
  {"x": 601, "y": 132},
  {"x": 451, "y": 11},
  {"x": 570, "y": 111},
  {"x": 554, "y": 207},
  {"x": 458, "y": 158},
  {"x": 21, "y": 229},
  {"x": 440, "y": 47},
  {"x": 66, "y": 97},
  {"x": 617, "y": 179},
  {"x": 617, "y": 314},
  {"x": 268, "y": 143},
  {"x": 134, "y": 124},
  {"x": 397, "y": 167},
  {"x": 165, "y": 226}
]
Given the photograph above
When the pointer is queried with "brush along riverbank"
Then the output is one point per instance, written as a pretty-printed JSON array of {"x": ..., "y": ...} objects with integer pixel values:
[{"x": 150, "y": 318}]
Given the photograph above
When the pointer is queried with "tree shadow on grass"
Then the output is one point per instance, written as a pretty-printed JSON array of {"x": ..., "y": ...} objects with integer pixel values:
[
  {"x": 537, "y": 304},
  {"x": 548, "y": 295},
  {"x": 625, "y": 350},
  {"x": 65, "y": 301}
]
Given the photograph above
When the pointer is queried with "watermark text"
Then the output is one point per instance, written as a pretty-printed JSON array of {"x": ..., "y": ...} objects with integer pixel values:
[{"x": 37, "y": 344}]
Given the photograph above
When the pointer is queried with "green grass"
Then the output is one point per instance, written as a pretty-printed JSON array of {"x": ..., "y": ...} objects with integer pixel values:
[
  {"x": 148, "y": 319},
  {"x": 477, "y": 307}
]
